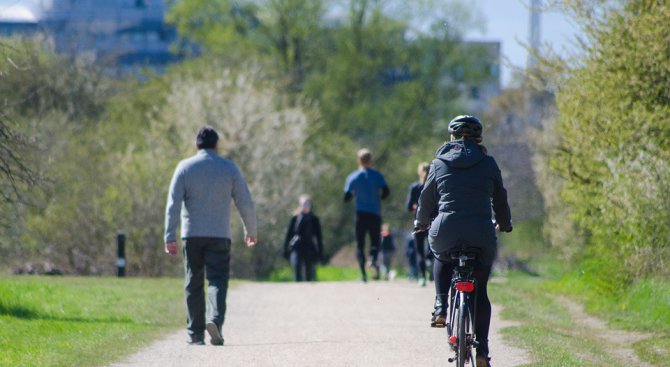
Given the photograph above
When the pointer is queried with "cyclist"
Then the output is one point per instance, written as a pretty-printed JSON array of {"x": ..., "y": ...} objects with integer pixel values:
[{"x": 463, "y": 183}]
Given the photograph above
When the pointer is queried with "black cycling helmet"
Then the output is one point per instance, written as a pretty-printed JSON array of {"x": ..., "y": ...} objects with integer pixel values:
[{"x": 465, "y": 126}]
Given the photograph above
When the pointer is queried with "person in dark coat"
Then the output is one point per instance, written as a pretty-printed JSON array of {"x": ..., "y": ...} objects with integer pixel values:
[
  {"x": 410, "y": 253},
  {"x": 464, "y": 182},
  {"x": 303, "y": 245},
  {"x": 424, "y": 256},
  {"x": 387, "y": 250}
]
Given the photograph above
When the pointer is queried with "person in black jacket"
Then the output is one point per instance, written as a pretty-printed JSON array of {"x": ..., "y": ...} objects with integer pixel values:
[
  {"x": 303, "y": 245},
  {"x": 464, "y": 182},
  {"x": 425, "y": 257},
  {"x": 387, "y": 249}
]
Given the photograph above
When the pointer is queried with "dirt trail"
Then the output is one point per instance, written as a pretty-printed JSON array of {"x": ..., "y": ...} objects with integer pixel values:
[
  {"x": 323, "y": 324},
  {"x": 616, "y": 342}
]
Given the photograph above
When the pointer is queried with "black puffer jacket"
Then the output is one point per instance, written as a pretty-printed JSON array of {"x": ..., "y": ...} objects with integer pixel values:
[
  {"x": 304, "y": 236},
  {"x": 464, "y": 183}
]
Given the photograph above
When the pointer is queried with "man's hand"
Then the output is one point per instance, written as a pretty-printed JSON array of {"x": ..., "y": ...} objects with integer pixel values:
[
  {"x": 506, "y": 230},
  {"x": 171, "y": 248},
  {"x": 250, "y": 241}
]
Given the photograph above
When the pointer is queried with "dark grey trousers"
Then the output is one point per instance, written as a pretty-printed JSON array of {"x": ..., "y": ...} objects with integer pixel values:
[
  {"x": 298, "y": 263},
  {"x": 205, "y": 256}
]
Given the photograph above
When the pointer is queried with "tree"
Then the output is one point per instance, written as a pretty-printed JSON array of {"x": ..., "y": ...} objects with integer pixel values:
[
  {"x": 14, "y": 170},
  {"x": 614, "y": 113},
  {"x": 53, "y": 105},
  {"x": 259, "y": 130},
  {"x": 376, "y": 79}
]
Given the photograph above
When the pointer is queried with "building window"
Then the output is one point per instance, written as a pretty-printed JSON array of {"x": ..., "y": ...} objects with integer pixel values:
[{"x": 474, "y": 93}]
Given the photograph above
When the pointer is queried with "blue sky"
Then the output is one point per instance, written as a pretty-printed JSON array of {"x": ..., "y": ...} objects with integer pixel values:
[
  {"x": 508, "y": 21},
  {"x": 505, "y": 21}
]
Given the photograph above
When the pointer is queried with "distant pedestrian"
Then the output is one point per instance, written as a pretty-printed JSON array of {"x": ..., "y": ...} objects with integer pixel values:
[
  {"x": 410, "y": 253},
  {"x": 388, "y": 250},
  {"x": 201, "y": 192},
  {"x": 303, "y": 245},
  {"x": 424, "y": 255},
  {"x": 369, "y": 188}
]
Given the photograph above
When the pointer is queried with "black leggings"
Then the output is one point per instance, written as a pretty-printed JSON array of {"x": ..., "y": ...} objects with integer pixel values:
[
  {"x": 367, "y": 224},
  {"x": 443, "y": 273},
  {"x": 426, "y": 257}
]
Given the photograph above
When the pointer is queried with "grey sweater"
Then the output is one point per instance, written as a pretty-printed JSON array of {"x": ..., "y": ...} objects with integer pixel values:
[{"x": 201, "y": 190}]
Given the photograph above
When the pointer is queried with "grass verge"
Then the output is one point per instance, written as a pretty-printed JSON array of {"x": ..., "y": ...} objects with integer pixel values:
[
  {"x": 556, "y": 338},
  {"x": 325, "y": 273},
  {"x": 77, "y": 321},
  {"x": 643, "y": 306}
]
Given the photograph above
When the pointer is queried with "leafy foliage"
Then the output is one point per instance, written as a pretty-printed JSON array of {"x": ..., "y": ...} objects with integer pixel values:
[
  {"x": 293, "y": 91},
  {"x": 614, "y": 113}
]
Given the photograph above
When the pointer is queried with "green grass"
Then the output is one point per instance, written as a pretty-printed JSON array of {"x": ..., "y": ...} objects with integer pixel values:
[
  {"x": 323, "y": 274},
  {"x": 546, "y": 328},
  {"x": 523, "y": 241},
  {"x": 643, "y": 306},
  {"x": 554, "y": 338},
  {"x": 655, "y": 351},
  {"x": 67, "y": 321}
]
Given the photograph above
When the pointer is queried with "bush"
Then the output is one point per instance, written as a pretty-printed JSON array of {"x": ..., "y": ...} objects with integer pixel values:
[{"x": 614, "y": 126}]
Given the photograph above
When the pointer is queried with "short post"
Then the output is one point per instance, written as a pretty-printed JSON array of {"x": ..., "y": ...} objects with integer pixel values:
[{"x": 121, "y": 254}]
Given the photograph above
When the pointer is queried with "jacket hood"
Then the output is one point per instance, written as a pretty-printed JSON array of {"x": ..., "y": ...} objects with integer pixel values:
[{"x": 460, "y": 153}]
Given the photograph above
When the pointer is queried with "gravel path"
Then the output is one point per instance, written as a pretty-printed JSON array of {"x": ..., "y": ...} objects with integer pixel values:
[{"x": 323, "y": 324}]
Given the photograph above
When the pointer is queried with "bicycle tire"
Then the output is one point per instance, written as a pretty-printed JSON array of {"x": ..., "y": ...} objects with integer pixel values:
[{"x": 463, "y": 322}]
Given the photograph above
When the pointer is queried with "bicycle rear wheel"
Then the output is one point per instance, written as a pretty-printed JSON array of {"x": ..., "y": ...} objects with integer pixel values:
[{"x": 462, "y": 354}]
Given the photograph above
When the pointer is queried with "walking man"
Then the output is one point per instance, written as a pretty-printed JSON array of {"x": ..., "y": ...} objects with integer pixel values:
[
  {"x": 200, "y": 193},
  {"x": 369, "y": 188}
]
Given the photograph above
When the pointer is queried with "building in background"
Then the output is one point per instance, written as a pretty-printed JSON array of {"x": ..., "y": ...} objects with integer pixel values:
[
  {"x": 119, "y": 35},
  {"x": 18, "y": 19},
  {"x": 477, "y": 94}
]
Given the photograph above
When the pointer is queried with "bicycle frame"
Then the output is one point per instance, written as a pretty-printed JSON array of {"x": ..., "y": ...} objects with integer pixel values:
[{"x": 463, "y": 301}]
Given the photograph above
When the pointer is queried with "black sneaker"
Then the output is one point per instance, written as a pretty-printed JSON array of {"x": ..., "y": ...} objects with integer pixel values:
[
  {"x": 377, "y": 274},
  {"x": 196, "y": 341},
  {"x": 438, "y": 321},
  {"x": 214, "y": 334}
]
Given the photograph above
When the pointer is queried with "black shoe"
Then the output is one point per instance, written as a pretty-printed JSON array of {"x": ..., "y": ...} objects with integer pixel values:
[
  {"x": 196, "y": 341},
  {"x": 441, "y": 304},
  {"x": 214, "y": 334},
  {"x": 438, "y": 321},
  {"x": 364, "y": 278}
]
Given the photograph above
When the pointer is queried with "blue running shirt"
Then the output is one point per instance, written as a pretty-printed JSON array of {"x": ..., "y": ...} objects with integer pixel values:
[{"x": 366, "y": 184}]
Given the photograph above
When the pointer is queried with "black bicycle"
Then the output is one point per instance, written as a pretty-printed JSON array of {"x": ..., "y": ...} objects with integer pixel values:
[{"x": 461, "y": 326}]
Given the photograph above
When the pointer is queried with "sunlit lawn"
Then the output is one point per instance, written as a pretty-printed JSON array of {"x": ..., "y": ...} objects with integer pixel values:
[{"x": 83, "y": 321}]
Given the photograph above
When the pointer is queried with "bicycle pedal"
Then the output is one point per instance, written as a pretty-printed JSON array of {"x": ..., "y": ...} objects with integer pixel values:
[{"x": 439, "y": 325}]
